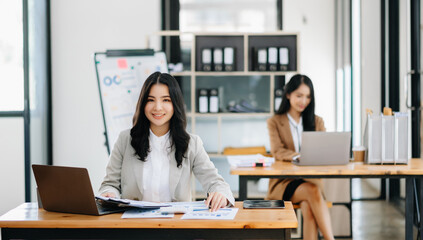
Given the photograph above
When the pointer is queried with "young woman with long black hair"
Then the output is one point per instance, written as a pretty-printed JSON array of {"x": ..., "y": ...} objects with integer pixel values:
[
  {"x": 295, "y": 115},
  {"x": 155, "y": 159}
]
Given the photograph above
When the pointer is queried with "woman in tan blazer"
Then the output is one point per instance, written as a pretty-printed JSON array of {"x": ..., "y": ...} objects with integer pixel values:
[
  {"x": 295, "y": 115},
  {"x": 155, "y": 159}
]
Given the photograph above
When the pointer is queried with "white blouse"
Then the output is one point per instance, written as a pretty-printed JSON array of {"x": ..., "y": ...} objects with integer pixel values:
[
  {"x": 296, "y": 132},
  {"x": 156, "y": 170}
]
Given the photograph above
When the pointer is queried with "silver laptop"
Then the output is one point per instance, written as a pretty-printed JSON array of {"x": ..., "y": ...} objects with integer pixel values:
[
  {"x": 324, "y": 148},
  {"x": 68, "y": 189}
]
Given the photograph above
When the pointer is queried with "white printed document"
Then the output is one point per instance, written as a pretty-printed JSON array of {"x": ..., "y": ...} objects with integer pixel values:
[
  {"x": 221, "y": 214},
  {"x": 145, "y": 213}
]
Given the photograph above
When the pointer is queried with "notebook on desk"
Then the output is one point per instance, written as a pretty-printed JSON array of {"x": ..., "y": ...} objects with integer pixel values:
[
  {"x": 324, "y": 148},
  {"x": 69, "y": 190}
]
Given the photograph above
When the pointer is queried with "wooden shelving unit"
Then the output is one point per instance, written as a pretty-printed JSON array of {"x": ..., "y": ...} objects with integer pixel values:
[{"x": 243, "y": 48}]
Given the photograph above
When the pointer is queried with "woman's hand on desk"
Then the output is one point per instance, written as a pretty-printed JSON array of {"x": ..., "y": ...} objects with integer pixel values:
[
  {"x": 215, "y": 201},
  {"x": 109, "y": 195}
]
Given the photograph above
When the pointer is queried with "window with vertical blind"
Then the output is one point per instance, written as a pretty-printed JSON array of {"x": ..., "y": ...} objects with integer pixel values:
[
  {"x": 25, "y": 90},
  {"x": 11, "y": 56},
  {"x": 228, "y": 16}
]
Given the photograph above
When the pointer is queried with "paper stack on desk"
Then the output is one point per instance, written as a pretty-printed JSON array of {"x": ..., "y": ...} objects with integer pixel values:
[
  {"x": 131, "y": 203},
  {"x": 195, "y": 210},
  {"x": 254, "y": 160}
]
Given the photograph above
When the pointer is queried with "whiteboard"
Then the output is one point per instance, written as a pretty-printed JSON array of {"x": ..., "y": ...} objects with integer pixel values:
[{"x": 120, "y": 79}]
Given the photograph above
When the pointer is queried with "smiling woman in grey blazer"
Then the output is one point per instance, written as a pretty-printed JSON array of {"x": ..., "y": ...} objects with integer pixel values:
[{"x": 155, "y": 159}]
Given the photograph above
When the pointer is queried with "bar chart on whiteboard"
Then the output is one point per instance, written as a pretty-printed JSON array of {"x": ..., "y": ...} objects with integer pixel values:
[{"x": 120, "y": 79}]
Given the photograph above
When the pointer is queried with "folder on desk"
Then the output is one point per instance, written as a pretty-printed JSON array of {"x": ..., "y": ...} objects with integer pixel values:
[
  {"x": 229, "y": 58},
  {"x": 388, "y": 137},
  {"x": 206, "y": 59},
  {"x": 373, "y": 139},
  {"x": 132, "y": 203},
  {"x": 401, "y": 139}
]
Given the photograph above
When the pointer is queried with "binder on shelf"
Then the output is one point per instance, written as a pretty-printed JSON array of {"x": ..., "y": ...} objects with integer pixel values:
[
  {"x": 213, "y": 100},
  {"x": 283, "y": 59},
  {"x": 203, "y": 101},
  {"x": 229, "y": 58},
  {"x": 278, "y": 98},
  {"x": 206, "y": 59},
  {"x": 217, "y": 59},
  {"x": 261, "y": 59},
  {"x": 273, "y": 59}
]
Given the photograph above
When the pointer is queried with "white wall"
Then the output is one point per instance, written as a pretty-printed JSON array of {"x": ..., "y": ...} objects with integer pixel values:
[
  {"x": 12, "y": 170},
  {"x": 315, "y": 21},
  {"x": 78, "y": 29},
  {"x": 371, "y": 57}
]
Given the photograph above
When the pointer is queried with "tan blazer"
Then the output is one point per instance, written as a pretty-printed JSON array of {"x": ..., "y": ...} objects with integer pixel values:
[
  {"x": 282, "y": 148},
  {"x": 124, "y": 172}
]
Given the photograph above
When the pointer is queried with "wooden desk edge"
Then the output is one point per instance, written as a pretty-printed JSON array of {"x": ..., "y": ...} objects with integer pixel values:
[
  {"x": 414, "y": 168},
  {"x": 29, "y": 217}
]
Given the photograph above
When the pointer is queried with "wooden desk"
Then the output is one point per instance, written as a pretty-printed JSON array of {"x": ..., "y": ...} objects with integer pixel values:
[
  {"x": 412, "y": 172},
  {"x": 27, "y": 221}
]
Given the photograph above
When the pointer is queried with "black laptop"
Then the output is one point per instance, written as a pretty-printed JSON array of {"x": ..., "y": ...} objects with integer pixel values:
[{"x": 68, "y": 190}]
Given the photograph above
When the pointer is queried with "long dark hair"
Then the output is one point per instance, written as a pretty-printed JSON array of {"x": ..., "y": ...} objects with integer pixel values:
[
  {"x": 308, "y": 113},
  {"x": 140, "y": 131}
]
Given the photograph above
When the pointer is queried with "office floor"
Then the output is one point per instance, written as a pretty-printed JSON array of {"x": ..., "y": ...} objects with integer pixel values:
[
  {"x": 375, "y": 219},
  {"x": 372, "y": 219}
]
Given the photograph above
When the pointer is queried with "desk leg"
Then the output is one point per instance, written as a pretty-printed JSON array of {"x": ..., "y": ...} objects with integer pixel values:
[
  {"x": 242, "y": 188},
  {"x": 5, "y": 234},
  {"x": 409, "y": 207},
  {"x": 420, "y": 200},
  {"x": 287, "y": 234}
]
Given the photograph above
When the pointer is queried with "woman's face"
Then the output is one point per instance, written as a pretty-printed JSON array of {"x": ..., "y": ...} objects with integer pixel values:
[
  {"x": 300, "y": 98},
  {"x": 159, "y": 109}
]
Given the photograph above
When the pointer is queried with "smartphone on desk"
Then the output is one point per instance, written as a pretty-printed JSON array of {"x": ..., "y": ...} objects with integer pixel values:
[{"x": 264, "y": 204}]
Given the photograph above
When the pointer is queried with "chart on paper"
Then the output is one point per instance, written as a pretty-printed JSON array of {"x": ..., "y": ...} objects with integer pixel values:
[{"x": 221, "y": 214}]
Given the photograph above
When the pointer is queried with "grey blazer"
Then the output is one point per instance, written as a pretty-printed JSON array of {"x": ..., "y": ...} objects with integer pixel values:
[{"x": 124, "y": 172}]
